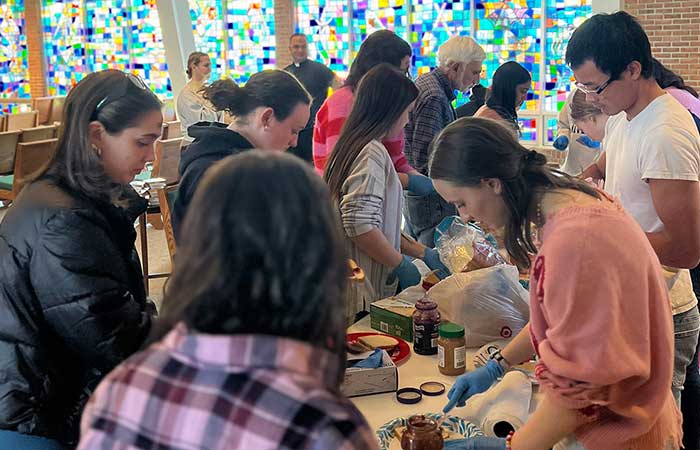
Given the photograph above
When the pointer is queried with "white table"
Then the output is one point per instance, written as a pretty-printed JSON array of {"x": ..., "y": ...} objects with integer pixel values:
[{"x": 379, "y": 409}]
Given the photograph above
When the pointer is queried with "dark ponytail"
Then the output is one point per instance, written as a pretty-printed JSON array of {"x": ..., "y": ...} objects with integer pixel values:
[
  {"x": 470, "y": 150},
  {"x": 275, "y": 89}
]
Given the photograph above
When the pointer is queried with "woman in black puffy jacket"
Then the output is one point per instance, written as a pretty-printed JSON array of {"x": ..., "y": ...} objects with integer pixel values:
[{"x": 72, "y": 300}]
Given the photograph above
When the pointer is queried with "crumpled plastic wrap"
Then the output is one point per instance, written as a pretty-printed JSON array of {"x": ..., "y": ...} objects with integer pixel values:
[{"x": 464, "y": 247}]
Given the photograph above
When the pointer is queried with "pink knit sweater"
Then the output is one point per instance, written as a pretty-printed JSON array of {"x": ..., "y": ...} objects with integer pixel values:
[
  {"x": 329, "y": 123},
  {"x": 601, "y": 324}
]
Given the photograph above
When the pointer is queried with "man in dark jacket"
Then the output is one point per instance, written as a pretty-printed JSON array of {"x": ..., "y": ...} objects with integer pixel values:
[
  {"x": 212, "y": 142},
  {"x": 71, "y": 311}
]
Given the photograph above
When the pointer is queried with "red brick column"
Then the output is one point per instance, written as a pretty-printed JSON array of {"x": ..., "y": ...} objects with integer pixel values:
[{"x": 35, "y": 47}]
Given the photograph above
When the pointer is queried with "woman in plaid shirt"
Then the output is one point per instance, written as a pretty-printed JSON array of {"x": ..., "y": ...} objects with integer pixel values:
[{"x": 249, "y": 350}]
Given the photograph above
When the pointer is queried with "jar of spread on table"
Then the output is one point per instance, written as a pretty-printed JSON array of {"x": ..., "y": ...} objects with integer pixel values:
[
  {"x": 426, "y": 319},
  {"x": 422, "y": 433},
  {"x": 452, "y": 349}
]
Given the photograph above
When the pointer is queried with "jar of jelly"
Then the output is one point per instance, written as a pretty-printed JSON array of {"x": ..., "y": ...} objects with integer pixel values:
[
  {"x": 422, "y": 433},
  {"x": 426, "y": 320}
]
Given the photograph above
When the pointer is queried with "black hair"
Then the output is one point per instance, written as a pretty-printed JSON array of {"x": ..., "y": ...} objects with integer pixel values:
[
  {"x": 502, "y": 95},
  {"x": 668, "y": 78},
  {"x": 612, "y": 42},
  {"x": 257, "y": 259},
  {"x": 75, "y": 163},
  {"x": 296, "y": 35},
  {"x": 382, "y": 96},
  {"x": 472, "y": 149},
  {"x": 478, "y": 93},
  {"x": 275, "y": 89},
  {"x": 382, "y": 46}
]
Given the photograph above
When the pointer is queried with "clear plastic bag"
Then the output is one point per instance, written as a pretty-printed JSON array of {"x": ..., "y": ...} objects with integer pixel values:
[
  {"x": 464, "y": 247},
  {"x": 490, "y": 303}
]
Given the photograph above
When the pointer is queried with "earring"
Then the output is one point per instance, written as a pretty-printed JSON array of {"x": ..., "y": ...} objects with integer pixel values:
[
  {"x": 96, "y": 149},
  {"x": 266, "y": 127}
]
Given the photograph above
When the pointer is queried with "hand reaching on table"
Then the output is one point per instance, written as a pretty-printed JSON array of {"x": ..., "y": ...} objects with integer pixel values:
[
  {"x": 474, "y": 382},
  {"x": 476, "y": 443}
]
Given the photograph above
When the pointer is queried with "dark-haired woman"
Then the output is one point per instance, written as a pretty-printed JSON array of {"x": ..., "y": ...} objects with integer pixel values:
[
  {"x": 72, "y": 294},
  {"x": 366, "y": 187},
  {"x": 509, "y": 88},
  {"x": 382, "y": 46},
  {"x": 192, "y": 107},
  {"x": 268, "y": 113},
  {"x": 603, "y": 335},
  {"x": 249, "y": 349}
]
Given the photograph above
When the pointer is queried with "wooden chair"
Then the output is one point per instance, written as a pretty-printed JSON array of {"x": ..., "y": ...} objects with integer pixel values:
[
  {"x": 18, "y": 121},
  {"x": 40, "y": 133},
  {"x": 43, "y": 106},
  {"x": 166, "y": 198},
  {"x": 57, "y": 110},
  {"x": 2, "y": 123},
  {"x": 166, "y": 165},
  {"x": 172, "y": 130},
  {"x": 29, "y": 158},
  {"x": 8, "y": 147}
]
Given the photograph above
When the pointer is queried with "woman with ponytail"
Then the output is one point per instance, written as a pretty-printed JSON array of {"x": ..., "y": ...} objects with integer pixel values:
[
  {"x": 600, "y": 319},
  {"x": 268, "y": 113}
]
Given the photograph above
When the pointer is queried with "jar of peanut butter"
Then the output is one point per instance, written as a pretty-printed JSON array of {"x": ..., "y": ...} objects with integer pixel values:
[{"x": 452, "y": 349}]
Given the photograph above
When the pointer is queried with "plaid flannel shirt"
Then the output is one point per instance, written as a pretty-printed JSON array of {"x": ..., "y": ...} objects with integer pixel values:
[
  {"x": 216, "y": 392},
  {"x": 433, "y": 111}
]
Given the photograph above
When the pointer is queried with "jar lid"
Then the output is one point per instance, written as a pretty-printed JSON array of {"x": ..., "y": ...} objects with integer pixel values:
[
  {"x": 409, "y": 395},
  {"x": 432, "y": 388},
  {"x": 451, "y": 330}
]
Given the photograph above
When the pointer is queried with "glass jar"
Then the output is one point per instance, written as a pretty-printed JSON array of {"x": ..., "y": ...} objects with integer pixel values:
[
  {"x": 426, "y": 319},
  {"x": 452, "y": 349},
  {"x": 422, "y": 433}
]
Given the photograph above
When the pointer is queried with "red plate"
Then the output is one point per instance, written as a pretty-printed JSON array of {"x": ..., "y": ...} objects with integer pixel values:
[{"x": 399, "y": 354}]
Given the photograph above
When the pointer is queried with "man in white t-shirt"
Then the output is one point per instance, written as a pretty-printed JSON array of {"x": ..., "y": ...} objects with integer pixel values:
[{"x": 652, "y": 158}]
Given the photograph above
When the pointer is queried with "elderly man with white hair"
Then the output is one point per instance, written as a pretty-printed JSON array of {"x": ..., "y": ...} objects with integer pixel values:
[{"x": 460, "y": 59}]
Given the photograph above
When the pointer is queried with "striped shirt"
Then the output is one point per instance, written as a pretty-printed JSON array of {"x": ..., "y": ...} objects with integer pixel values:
[
  {"x": 195, "y": 391},
  {"x": 433, "y": 111}
]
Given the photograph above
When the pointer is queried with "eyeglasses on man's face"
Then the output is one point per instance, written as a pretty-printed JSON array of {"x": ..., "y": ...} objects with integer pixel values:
[{"x": 595, "y": 91}]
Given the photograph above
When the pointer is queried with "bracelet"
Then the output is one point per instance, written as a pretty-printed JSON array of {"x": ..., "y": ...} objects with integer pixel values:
[
  {"x": 496, "y": 356},
  {"x": 509, "y": 440}
]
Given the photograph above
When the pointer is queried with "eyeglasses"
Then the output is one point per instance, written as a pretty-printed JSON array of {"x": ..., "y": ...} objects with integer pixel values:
[
  {"x": 135, "y": 80},
  {"x": 596, "y": 91}
]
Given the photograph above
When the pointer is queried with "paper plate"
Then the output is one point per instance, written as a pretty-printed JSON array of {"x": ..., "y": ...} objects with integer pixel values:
[{"x": 385, "y": 433}]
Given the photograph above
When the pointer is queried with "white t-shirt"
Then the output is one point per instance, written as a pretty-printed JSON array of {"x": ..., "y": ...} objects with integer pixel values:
[{"x": 661, "y": 142}]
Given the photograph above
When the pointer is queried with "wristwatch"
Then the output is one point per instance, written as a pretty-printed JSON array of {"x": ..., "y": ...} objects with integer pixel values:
[{"x": 496, "y": 356}]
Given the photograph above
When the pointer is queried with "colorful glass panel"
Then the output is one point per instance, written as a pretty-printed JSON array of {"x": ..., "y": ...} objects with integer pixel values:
[
  {"x": 64, "y": 49},
  {"x": 251, "y": 37},
  {"x": 147, "y": 51},
  {"x": 106, "y": 35},
  {"x": 369, "y": 16},
  {"x": 208, "y": 27},
  {"x": 14, "y": 71},
  {"x": 326, "y": 23}
]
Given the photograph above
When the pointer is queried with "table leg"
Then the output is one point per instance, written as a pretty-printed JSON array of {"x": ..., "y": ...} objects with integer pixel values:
[{"x": 144, "y": 249}]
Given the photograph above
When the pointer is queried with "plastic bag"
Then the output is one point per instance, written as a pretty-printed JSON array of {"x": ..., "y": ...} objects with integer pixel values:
[
  {"x": 490, "y": 303},
  {"x": 464, "y": 247}
]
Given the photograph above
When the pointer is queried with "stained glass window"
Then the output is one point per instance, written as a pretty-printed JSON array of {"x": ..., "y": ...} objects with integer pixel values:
[
  {"x": 147, "y": 50},
  {"x": 369, "y": 16},
  {"x": 251, "y": 37},
  {"x": 106, "y": 36},
  {"x": 528, "y": 128},
  {"x": 512, "y": 31},
  {"x": 563, "y": 16},
  {"x": 432, "y": 23},
  {"x": 326, "y": 23},
  {"x": 208, "y": 26},
  {"x": 64, "y": 49},
  {"x": 14, "y": 80}
]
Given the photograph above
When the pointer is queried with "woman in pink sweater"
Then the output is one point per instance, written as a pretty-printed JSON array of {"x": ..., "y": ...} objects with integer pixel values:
[
  {"x": 380, "y": 47},
  {"x": 600, "y": 319}
]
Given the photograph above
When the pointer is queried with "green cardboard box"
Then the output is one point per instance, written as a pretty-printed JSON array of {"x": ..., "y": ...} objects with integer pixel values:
[{"x": 393, "y": 316}]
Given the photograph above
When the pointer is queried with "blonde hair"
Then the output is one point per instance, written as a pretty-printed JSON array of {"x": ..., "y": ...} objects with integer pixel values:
[
  {"x": 460, "y": 49},
  {"x": 193, "y": 60},
  {"x": 580, "y": 109}
]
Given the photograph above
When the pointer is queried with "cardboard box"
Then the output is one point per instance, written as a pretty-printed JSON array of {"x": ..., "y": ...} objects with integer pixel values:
[
  {"x": 393, "y": 316},
  {"x": 371, "y": 381}
]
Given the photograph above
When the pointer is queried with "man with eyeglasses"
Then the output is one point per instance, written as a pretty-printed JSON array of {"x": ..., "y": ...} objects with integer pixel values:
[
  {"x": 316, "y": 78},
  {"x": 651, "y": 161}
]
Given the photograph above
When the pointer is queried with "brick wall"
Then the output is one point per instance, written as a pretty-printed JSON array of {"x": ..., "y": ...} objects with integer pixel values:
[
  {"x": 673, "y": 27},
  {"x": 35, "y": 47},
  {"x": 284, "y": 27}
]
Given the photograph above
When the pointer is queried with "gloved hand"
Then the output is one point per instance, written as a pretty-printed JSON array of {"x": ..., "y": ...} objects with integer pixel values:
[
  {"x": 561, "y": 143},
  {"x": 419, "y": 185},
  {"x": 474, "y": 382},
  {"x": 432, "y": 259},
  {"x": 588, "y": 142},
  {"x": 407, "y": 273},
  {"x": 476, "y": 443}
]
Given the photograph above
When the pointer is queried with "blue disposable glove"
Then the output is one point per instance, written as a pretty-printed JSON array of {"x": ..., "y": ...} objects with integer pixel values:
[
  {"x": 588, "y": 142},
  {"x": 407, "y": 273},
  {"x": 420, "y": 185},
  {"x": 372, "y": 361},
  {"x": 476, "y": 443},
  {"x": 432, "y": 259},
  {"x": 474, "y": 382},
  {"x": 561, "y": 143}
]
